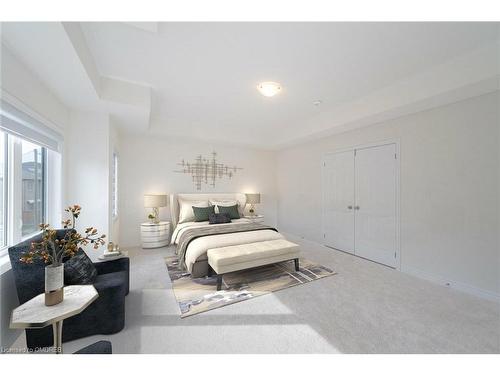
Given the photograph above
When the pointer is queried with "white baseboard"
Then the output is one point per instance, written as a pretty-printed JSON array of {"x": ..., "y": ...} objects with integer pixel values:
[{"x": 458, "y": 285}]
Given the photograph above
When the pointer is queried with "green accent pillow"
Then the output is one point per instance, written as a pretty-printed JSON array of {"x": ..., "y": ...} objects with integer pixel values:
[
  {"x": 202, "y": 213},
  {"x": 232, "y": 211}
]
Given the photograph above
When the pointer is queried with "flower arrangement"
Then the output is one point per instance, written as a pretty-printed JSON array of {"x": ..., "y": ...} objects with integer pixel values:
[{"x": 53, "y": 250}]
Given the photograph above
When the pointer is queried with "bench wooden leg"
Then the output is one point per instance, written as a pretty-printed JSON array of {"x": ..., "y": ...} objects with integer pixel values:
[
  {"x": 296, "y": 261},
  {"x": 219, "y": 282}
]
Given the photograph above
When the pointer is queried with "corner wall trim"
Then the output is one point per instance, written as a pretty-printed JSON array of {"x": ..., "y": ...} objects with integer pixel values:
[{"x": 453, "y": 284}]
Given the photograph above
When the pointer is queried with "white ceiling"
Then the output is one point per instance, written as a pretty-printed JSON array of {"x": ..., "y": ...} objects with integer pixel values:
[{"x": 204, "y": 75}]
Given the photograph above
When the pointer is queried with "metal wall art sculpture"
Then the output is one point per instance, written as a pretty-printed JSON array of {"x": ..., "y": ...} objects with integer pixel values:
[{"x": 207, "y": 171}]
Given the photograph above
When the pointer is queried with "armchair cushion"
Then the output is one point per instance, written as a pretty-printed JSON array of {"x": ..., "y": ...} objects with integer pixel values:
[
  {"x": 116, "y": 265},
  {"x": 79, "y": 270},
  {"x": 110, "y": 281}
]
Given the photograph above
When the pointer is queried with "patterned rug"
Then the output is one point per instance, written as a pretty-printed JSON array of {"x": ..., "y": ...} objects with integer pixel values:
[{"x": 198, "y": 295}]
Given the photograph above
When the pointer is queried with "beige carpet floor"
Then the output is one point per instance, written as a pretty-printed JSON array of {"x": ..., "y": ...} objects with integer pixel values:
[{"x": 365, "y": 308}]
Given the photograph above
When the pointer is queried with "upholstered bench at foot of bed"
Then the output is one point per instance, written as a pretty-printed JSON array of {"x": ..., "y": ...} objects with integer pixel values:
[{"x": 240, "y": 257}]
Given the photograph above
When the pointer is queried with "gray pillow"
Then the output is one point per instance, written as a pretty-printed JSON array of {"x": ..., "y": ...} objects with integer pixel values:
[
  {"x": 231, "y": 210},
  {"x": 79, "y": 270},
  {"x": 219, "y": 218},
  {"x": 202, "y": 213}
]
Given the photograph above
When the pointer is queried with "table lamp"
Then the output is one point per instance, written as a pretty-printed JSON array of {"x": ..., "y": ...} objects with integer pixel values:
[
  {"x": 155, "y": 201},
  {"x": 252, "y": 199}
]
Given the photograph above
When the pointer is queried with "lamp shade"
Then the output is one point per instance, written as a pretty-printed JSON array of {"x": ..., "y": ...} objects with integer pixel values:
[
  {"x": 253, "y": 198},
  {"x": 155, "y": 200}
]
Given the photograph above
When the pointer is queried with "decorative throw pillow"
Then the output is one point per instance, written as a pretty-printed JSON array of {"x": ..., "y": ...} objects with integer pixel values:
[
  {"x": 227, "y": 203},
  {"x": 202, "y": 213},
  {"x": 79, "y": 270},
  {"x": 231, "y": 210},
  {"x": 219, "y": 219},
  {"x": 186, "y": 212},
  {"x": 222, "y": 202}
]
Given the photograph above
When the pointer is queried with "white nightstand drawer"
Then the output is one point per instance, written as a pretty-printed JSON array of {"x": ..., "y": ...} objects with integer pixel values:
[
  {"x": 156, "y": 228},
  {"x": 155, "y": 235},
  {"x": 165, "y": 237},
  {"x": 159, "y": 233}
]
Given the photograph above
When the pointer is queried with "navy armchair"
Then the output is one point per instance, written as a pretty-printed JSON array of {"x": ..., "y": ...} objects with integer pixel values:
[{"x": 106, "y": 315}]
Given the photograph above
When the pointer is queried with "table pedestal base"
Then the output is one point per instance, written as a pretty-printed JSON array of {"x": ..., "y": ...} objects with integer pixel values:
[{"x": 57, "y": 330}]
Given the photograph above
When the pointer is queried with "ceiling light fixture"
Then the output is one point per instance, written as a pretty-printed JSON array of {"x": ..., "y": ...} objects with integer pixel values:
[
  {"x": 269, "y": 88},
  {"x": 317, "y": 103}
]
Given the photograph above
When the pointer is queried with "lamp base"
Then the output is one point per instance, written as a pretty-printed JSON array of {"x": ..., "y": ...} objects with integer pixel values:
[{"x": 156, "y": 214}]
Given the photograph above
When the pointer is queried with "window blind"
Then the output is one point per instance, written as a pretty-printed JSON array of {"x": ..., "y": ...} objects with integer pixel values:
[{"x": 20, "y": 124}]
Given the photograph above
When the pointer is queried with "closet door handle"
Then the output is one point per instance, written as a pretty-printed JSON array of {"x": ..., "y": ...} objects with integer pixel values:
[
  {"x": 356, "y": 207},
  {"x": 349, "y": 207}
]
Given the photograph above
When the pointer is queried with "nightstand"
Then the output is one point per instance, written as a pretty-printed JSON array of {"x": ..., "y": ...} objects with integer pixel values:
[
  {"x": 155, "y": 235},
  {"x": 256, "y": 218}
]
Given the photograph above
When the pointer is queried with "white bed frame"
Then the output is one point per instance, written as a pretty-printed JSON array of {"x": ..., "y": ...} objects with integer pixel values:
[{"x": 174, "y": 201}]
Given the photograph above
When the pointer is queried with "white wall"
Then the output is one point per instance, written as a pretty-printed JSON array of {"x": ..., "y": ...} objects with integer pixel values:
[
  {"x": 449, "y": 190},
  {"x": 147, "y": 165},
  {"x": 87, "y": 144}
]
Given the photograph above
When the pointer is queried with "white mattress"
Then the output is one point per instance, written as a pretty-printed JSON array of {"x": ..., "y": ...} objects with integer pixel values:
[{"x": 197, "y": 249}]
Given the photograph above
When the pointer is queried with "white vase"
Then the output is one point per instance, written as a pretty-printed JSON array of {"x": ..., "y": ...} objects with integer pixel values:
[{"x": 54, "y": 283}]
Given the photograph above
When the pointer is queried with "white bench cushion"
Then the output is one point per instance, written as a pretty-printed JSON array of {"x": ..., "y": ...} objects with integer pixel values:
[{"x": 239, "y": 257}]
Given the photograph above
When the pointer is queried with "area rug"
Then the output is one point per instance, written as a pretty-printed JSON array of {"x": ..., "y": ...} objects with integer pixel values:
[{"x": 197, "y": 295}]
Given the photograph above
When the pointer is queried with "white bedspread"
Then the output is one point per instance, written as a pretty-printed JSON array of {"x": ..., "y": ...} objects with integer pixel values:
[{"x": 197, "y": 249}]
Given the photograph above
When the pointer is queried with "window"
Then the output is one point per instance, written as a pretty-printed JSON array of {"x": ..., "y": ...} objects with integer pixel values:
[
  {"x": 23, "y": 166},
  {"x": 114, "y": 186},
  {"x": 33, "y": 187}
]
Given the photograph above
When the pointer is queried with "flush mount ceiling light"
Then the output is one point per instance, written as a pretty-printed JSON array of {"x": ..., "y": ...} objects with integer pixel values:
[{"x": 269, "y": 88}]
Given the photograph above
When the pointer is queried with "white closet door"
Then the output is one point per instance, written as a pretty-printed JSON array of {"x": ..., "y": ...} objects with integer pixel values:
[
  {"x": 338, "y": 201},
  {"x": 375, "y": 208}
]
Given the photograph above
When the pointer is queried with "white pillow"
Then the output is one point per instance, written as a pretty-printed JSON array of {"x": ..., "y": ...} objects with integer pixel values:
[
  {"x": 186, "y": 212},
  {"x": 226, "y": 203}
]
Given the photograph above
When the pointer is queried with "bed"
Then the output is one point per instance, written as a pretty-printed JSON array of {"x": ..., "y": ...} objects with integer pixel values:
[{"x": 193, "y": 237}]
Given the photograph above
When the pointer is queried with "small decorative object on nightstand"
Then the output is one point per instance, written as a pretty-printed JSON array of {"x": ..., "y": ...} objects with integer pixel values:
[
  {"x": 155, "y": 201},
  {"x": 252, "y": 199},
  {"x": 255, "y": 218},
  {"x": 155, "y": 235}
]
